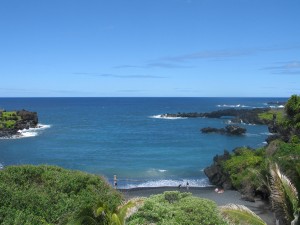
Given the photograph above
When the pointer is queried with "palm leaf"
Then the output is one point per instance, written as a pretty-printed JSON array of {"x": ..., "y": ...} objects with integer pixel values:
[
  {"x": 239, "y": 214},
  {"x": 284, "y": 195},
  {"x": 115, "y": 219}
]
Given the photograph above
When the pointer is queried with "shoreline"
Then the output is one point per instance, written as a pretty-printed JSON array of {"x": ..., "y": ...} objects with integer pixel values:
[{"x": 261, "y": 208}]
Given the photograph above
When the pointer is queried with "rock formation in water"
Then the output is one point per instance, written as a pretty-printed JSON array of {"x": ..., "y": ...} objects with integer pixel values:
[{"x": 228, "y": 130}]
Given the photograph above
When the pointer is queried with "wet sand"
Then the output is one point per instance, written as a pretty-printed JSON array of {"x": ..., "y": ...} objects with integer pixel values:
[{"x": 261, "y": 208}]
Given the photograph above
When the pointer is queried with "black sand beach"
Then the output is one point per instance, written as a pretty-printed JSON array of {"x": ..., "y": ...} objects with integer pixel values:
[{"x": 261, "y": 208}]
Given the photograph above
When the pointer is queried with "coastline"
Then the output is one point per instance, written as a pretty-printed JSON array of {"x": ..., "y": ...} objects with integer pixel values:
[{"x": 261, "y": 208}]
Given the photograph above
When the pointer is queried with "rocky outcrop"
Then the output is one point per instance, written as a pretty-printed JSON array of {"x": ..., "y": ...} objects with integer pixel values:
[
  {"x": 28, "y": 120},
  {"x": 20, "y": 120},
  {"x": 215, "y": 173},
  {"x": 228, "y": 130}
]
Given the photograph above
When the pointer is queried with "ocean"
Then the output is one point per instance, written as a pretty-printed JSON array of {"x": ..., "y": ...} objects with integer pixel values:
[{"x": 127, "y": 138}]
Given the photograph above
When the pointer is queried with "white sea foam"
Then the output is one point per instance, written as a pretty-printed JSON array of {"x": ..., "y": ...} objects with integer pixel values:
[
  {"x": 170, "y": 183},
  {"x": 234, "y": 106},
  {"x": 276, "y": 106},
  {"x": 31, "y": 132},
  {"x": 155, "y": 172},
  {"x": 266, "y": 133},
  {"x": 162, "y": 116}
]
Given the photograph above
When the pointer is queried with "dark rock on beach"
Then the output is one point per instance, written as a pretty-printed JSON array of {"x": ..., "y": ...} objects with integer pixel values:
[{"x": 229, "y": 130}]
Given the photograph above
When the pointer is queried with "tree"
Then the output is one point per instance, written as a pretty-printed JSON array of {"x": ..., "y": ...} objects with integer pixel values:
[{"x": 292, "y": 107}]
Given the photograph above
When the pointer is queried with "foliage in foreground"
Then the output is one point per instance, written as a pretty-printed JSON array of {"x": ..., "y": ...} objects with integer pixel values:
[
  {"x": 240, "y": 215},
  {"x": 102, "y": 215},
  {"x": 175, "y": 208},
  {"x": 49, "y": 195}
]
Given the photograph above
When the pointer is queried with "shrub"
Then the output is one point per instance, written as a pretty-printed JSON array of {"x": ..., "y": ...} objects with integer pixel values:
[
  {"x": 183, "y": 209},
  {"x": 48, "y": 194},
  {"x": 240, "y": 167}
]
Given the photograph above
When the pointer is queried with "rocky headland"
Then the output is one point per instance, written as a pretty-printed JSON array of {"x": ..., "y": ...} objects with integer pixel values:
[
  {"x": 248, "y": 116},
  {"x": 11, "y": 122}
]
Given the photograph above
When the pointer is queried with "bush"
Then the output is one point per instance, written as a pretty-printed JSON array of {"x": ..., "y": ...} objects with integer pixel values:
[
  {"x": 241, "y": 164},
  {"x": 49, "y": 195},
  {"x": 175, "y": 208}
]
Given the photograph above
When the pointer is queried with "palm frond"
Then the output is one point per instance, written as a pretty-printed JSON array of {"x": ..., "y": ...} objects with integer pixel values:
[
  {"x": 284, "y": 195},
  {"x": 115, "y": 219},
  {"x": 239, "y": 214}
]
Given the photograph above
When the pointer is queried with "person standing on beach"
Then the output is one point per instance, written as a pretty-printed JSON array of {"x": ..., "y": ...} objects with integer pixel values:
[{"x": 187, "y": 185}]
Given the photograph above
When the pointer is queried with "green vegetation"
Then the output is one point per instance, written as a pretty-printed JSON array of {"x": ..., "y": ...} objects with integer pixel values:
[
  {"x": 239, "y": 165},
  {"x": 102, "y": 215},
  {"x": 8, "y": 119},
  {"x": 292, "y": 109},
  {"x": 50, "y": 195},
  {"x": 274, "y": 168},
  {"x": 175, "y": 208},
  {"x": 245, "y": 164}
]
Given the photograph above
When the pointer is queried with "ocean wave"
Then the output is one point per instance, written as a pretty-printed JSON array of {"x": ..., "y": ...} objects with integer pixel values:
[
  {"x": 31, "y": 132},
  {"x": 234, "y": 106},
  {"x": 266, "y": 133},
  {"x": 162, "y": 116},
  {"x": 154, "y": 172},
  {"x": 170, "y": 183},
  {"x": 241, "y": 122},
  {"x": 276, "y": 106}
]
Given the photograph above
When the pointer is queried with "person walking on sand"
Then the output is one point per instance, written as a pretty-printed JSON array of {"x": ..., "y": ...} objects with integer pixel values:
[{"x": 187, "y": 185}]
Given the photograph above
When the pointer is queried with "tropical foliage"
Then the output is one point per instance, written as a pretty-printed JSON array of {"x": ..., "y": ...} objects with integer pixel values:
[
  {"x": 49, "y": 195},
  {"x": 239, "y": 164},
  {"x": 102, "y": 215}
]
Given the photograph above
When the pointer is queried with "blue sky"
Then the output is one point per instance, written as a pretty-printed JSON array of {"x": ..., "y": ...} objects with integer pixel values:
[{"x": 169, "y": 48}]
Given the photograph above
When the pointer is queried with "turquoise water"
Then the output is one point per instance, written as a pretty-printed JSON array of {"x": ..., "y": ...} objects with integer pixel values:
[{"x": 123, "y": 137}]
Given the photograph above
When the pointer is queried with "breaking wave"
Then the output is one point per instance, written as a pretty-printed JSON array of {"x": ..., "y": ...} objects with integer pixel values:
[
  {"x": 170, "y": 183},
  {"x": 234, "y": 106},
  {"x": 163, "y": 116},
  {"x": 31, "y": 132}
]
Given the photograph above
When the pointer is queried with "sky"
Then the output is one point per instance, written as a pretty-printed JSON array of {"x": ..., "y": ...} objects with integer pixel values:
[{"x": 149, "y": 48}]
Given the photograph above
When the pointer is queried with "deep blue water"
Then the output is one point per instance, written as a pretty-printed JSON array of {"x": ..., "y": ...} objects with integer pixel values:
[{"x": 122, "y": 136}]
